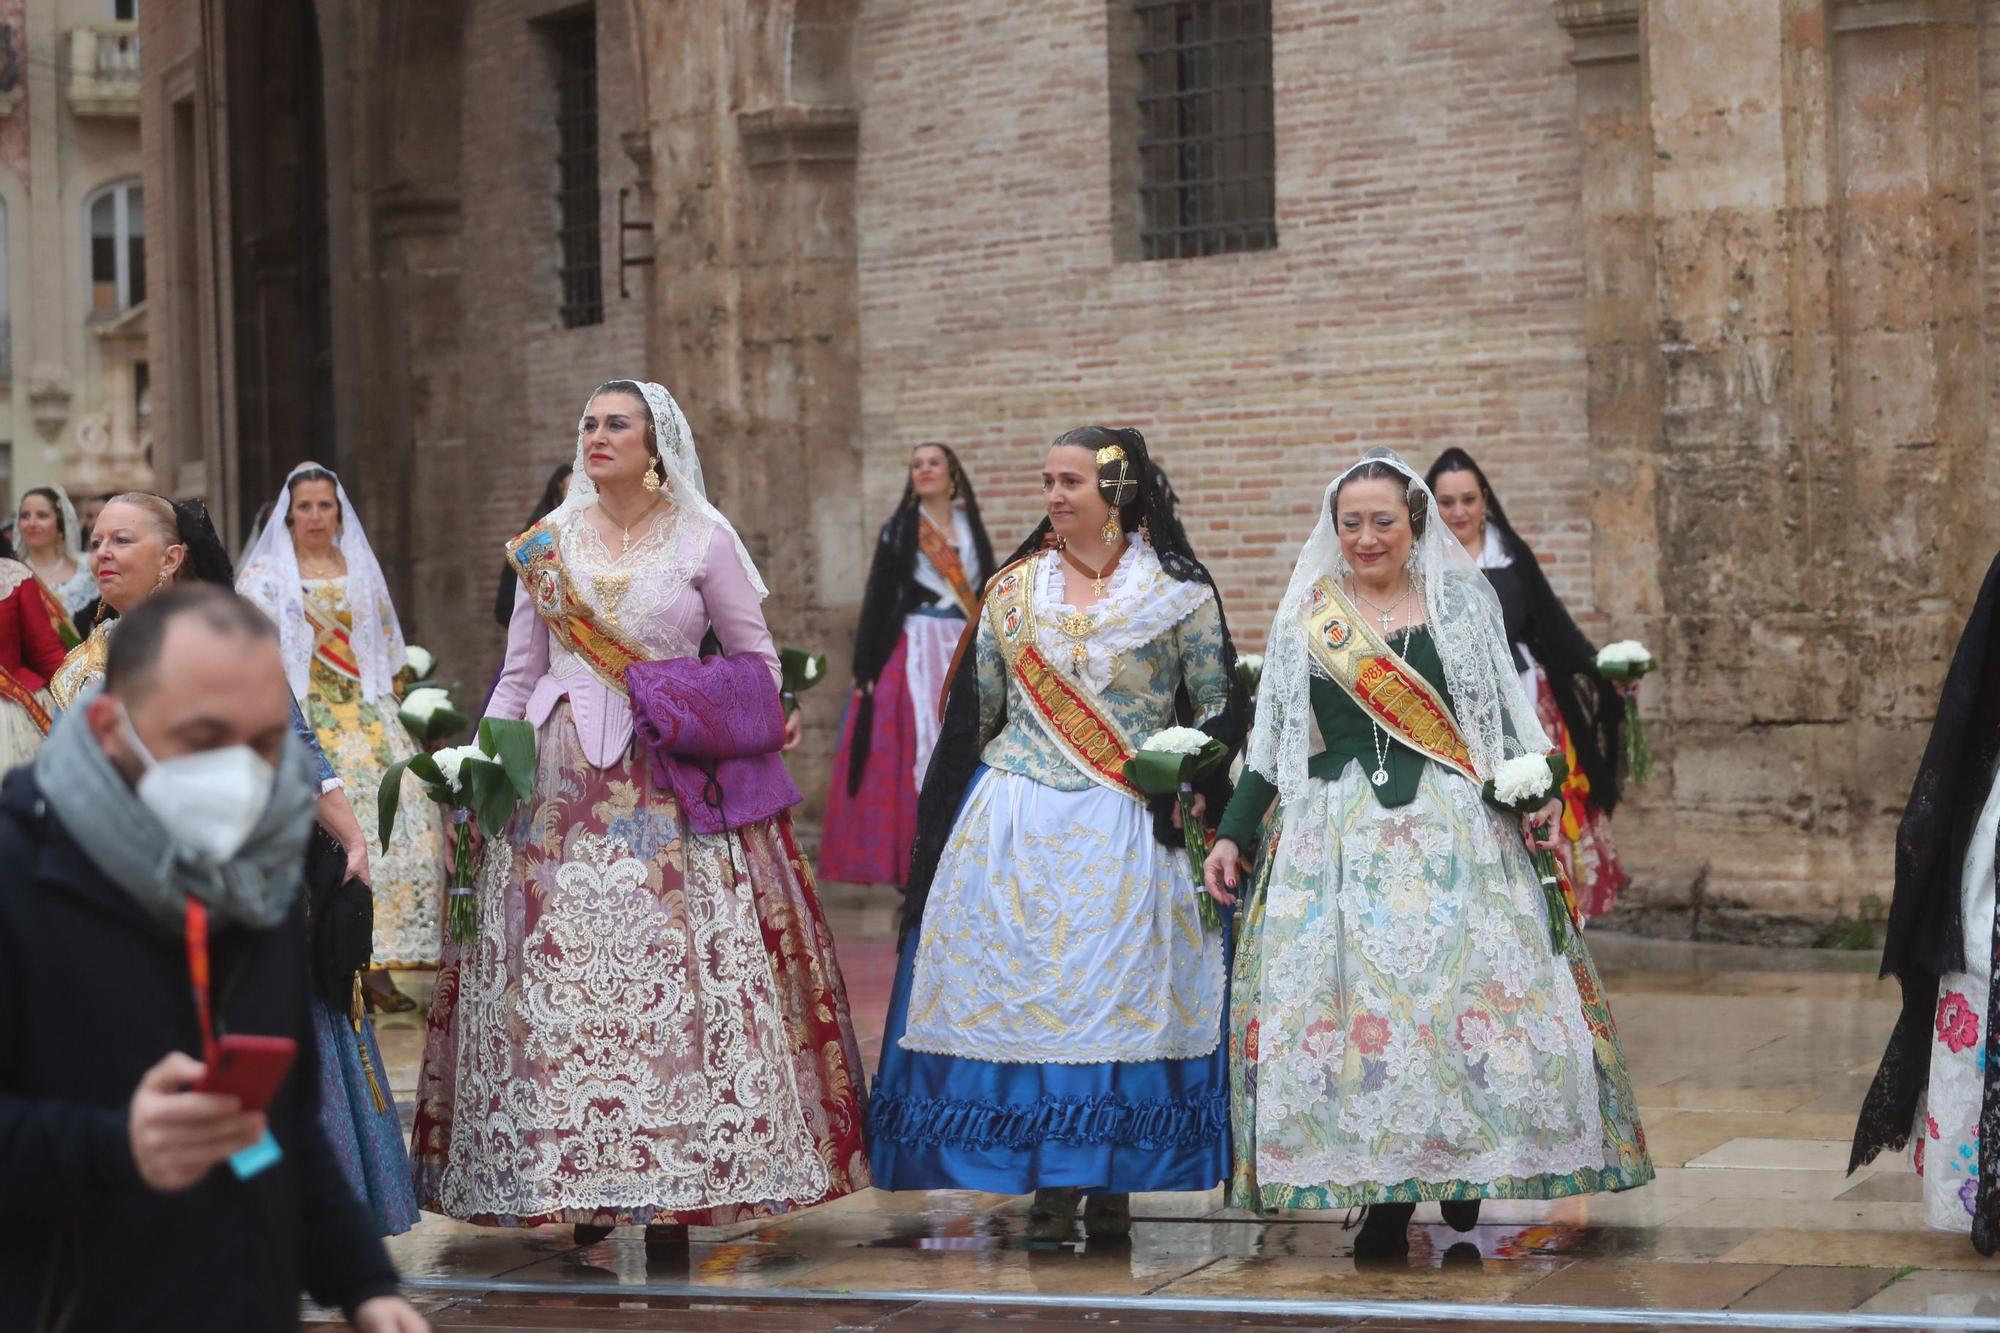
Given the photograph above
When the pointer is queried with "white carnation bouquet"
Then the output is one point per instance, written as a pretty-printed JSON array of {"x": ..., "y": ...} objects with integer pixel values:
[
  {"x": 427, "y": 710},
  {"x": 1623, "y": 663},
  {"x": 1169, "y": 763},
  {"x": 1522, "y": 786},
  {"x": 479, "y": 785},
  {"x": 800, "y": 669}
]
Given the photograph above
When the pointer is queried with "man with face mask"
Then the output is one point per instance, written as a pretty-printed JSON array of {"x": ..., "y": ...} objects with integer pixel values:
[{"x": 155, "y": 845}]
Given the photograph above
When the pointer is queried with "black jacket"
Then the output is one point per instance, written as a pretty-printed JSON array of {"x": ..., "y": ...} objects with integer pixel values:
[{"x": 93, "y": 992}]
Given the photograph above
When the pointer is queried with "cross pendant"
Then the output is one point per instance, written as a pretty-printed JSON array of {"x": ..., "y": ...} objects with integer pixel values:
[{"x": 1385, "y": 619}]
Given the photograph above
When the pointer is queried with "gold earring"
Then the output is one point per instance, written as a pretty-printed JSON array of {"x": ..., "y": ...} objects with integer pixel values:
[
  {"x": 652, "y": 481},
  {"x": 1111, "y": 532}
]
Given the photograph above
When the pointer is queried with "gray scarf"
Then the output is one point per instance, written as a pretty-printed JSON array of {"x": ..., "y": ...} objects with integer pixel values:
[{"x": 141, "y": 857}]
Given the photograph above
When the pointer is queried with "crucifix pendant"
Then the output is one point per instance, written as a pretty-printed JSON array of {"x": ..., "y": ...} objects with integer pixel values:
[
  {"x": 1385, "y": 618},
  {"x": 1379, "y": 777}
]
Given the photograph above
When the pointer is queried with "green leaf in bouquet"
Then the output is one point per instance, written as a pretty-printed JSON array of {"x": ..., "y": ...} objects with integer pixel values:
[
  {"x": 1161, "y": 772},
  {"x": 389, "y": 797},
  {"x": 512, "y": 742},
  {"x": 493, "y": 795}
]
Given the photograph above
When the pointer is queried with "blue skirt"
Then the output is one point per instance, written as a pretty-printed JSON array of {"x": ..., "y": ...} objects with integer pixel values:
[
  {"x": 945, "y": 1122},
  {"x": 366, "y": 1142}
]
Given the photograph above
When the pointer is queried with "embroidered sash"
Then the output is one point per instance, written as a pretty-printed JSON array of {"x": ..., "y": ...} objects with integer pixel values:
[
  {"x": 537, "y": 558},
  {"x": 58, "y": 615},
  {"x": 942, "y": 552},
  {"x": 333, "y": 643},
  {"x": 1067, "y": 713},
  {"x": 1388, "y": 689},
  {"x": 14, "y": 690}
]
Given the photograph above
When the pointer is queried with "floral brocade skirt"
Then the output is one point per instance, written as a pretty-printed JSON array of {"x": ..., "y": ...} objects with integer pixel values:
[
  {"x": 651, "y": 1024},
  {"x": 1594, "y": 868},
  {"x": 1402, "y": 1028}
]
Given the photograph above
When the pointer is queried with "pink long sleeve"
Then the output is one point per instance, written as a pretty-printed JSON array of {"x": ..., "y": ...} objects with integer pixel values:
[
  {"x": 731, "y": 603},
  {"x": 527, "y": 660}
]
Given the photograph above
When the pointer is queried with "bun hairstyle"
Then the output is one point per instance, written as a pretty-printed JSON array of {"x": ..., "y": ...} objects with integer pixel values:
[
  {"x": 1133, "y": 468},
  {"x": 1374, "y": 466}
]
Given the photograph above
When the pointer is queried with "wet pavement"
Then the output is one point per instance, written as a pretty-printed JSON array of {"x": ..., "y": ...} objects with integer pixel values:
[{"x": 1749, "y": 1066}]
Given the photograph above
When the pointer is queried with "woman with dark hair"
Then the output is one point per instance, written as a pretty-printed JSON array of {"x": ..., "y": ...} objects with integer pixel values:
[
  {"x": 931, "y": 560},
  {"x": 1407, "y": 1022},
  {"x": 1937, "y": 1082},
  {"x": 1583, "y": 713},
  {"x": 650, "y": 1027},
  {"x": 313, "y": 571},
  {"x": 145, "y": 543},
  {"x": 1057, "y": 1016},
  {"x": 553, "y": 493},
  {"x": 51, "y": 541}
]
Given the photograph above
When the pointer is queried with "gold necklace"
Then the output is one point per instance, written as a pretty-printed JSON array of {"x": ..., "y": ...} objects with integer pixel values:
[
  {"x": 625, "y": 533},
  {"x": 326, "y": 571}
]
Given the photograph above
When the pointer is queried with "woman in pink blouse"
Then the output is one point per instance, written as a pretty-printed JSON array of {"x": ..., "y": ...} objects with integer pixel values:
[{"x": 650, "y": 1026}]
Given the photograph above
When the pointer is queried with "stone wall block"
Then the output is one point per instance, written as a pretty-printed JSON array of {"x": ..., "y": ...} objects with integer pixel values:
[
  {"x": 1726, "y": 271},
  {"x": 1891, "y": 385},
  {"x": 1776, "y": 667}
]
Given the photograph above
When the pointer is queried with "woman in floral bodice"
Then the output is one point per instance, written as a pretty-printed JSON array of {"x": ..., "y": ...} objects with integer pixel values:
[
  {"x": 650, "y": 1027},
  {"x": 314, "y": 573},
  {"x": 1056, "y": 1023},
  {"x": 1407, "y": 1023}
]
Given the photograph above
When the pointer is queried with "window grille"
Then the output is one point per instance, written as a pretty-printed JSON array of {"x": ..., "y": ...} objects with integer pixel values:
[
  {"x": 1207, "y": 150},
  {"x": 578, "y": 187}
]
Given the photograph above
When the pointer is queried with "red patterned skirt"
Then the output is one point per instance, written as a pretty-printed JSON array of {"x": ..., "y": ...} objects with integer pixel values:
[
  {"x": 650, "y": 1026},
  {"x": 1586, "y": 847}
]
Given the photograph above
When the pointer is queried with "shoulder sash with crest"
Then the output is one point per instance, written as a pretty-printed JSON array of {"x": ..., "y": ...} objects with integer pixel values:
[
  {"x": 333, "y": 643},
  {"x": 1386, "y": 687},
  {"x": 13, "y": 690},
  {"x": 1066, "y": 712},
  {"x": 942, "y": 552},
  {"x": 537, "y": 558}
]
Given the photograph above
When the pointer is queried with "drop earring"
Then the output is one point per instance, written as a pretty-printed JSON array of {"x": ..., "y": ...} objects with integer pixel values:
[
  {"x": 652, "y": 478},
  {"x": 1111, "y": 532}
]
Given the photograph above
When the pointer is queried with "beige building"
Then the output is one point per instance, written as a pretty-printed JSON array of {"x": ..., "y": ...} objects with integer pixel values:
[
  {"x": 74, "y": 391},
  {"x": 1702, "y": 283}
]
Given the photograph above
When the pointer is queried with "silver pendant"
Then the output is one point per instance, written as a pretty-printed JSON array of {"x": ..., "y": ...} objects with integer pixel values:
[{"x": 1379, "y": 777}]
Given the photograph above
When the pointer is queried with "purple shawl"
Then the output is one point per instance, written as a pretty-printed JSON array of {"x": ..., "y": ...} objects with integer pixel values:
[{"x": 712, "y": 728}]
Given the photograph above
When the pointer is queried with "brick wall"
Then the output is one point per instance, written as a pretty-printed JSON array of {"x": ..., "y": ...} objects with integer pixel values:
[{"x": 1426, "y": 289}]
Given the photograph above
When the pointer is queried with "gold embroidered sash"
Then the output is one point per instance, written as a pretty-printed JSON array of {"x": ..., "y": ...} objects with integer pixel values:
[
  {"x": 1067, "y": 713},
  {"x": 13, "y": 690},
  {"x": 537, "y": 558},
  {"x": 942, "y": 552},
  {"x": 1386, "y": 687},
  {"x": 333, "y": 643}
]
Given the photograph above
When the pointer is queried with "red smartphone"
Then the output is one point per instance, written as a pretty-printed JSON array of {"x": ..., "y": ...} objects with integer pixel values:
[{"x": 250, "y": 1068}]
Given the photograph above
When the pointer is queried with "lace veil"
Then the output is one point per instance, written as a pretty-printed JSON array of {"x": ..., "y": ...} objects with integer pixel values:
[
  {"x": 270, "y": 578},
  {"x": 684, "y": 484},
  {"x": 73, "y": 542},
  {"x": 1464, "y": 617}
]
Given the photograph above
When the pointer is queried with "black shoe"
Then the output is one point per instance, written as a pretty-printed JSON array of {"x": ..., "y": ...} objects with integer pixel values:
[
  {"x": 1106, "y": 1216},
  {"x": 1052, "y": 1216},
  {"x": 583, "y": 1233},
  {"x": 667, "y": 1241},
  {"x": 1385, "y": 1231},
  {"x": 1462, "y": 1256},
  {"x": 1460, "y": 1214}
]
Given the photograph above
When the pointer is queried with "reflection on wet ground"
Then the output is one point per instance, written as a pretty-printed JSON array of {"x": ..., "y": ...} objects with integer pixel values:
[{"x": 1749, "y": 1067}]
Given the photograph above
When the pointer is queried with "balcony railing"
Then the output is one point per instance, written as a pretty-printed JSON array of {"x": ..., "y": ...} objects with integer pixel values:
[{"x": 104, "y": 69}]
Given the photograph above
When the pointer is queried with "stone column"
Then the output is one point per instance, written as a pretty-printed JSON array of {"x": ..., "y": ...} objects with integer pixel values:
[{"x": 755, "y": 127}]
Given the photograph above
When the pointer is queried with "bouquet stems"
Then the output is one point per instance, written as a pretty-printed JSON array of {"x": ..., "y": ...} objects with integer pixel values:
[
  {"x": 463, "y": 909},
  {"x": 1552, "y": 893},
  {"x": 1638, "y": 750},
  {"x": 1195, "y": 834}
]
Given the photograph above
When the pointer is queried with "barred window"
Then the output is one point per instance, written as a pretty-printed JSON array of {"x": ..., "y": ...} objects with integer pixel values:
[
  {"x": 578, "y": 186},
  {"x": 1207, "y": 152}
]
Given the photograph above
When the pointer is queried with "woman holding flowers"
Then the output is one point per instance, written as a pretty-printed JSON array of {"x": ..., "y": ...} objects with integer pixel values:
[
  {"x": 649, "y": 1026},
  {"x": 1058, "y": 1008},
  {"x": 1411, "y": 1017},
  {"x": 1581, "y": 711},
  {"x": 314, "y": 573},
  {"x": 931, "y": 560}
]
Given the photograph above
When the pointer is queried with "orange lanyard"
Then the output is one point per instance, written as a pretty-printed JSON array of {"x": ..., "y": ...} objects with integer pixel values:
[{"x": 197, "y": 942}]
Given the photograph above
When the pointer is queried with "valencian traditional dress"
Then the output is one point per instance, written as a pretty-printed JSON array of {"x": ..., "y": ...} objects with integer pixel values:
[
  {"x": 1057, "y": 1015},
  {"x": 1402, "y": 1026},
  {"x": 1938, "y": 1087},
  {"x": 30, "y": 653},
  {"x": 345, "y": 659},
  {"x": 922, "y": 589},
  {"x": 651, "y": 1026}
]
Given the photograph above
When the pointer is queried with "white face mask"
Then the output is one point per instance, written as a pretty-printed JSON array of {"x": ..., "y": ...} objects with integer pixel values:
[{"x": 209, "y": 800}]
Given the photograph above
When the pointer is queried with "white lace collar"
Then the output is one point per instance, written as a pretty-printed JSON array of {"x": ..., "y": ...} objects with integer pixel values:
[
  {"x": 1140, "y": 603},
  {"x": 1493, "y": 553}
]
